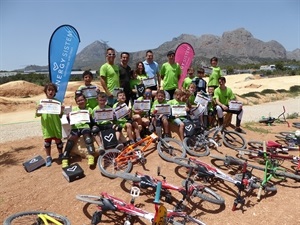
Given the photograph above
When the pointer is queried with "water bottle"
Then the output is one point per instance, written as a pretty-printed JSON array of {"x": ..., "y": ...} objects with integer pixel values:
[{"x": 127, "y": 222}]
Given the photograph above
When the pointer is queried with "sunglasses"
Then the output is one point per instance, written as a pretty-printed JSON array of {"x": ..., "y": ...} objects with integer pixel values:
[{"x": 111, "y": 54}]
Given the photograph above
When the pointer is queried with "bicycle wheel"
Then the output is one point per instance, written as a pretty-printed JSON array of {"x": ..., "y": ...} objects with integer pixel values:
[
  {"x": 287, "y": 175},
  {"x": 209, "y": 195},
  {"x": 31, "y": 217},
  {"x": 196, "y": 146},
  {"x": 182, "y": 220},
  {"x": 233, "y": 140},
  {"x": 128, "y": 176},
  {"x": 169, "y": 148},
  {"x": 185, "y": 162},
  {"x": 108, "y": 165},
  {"x": 93, "y": 199},
  {"x": 287, "y": 134},
  {"x": 296, "y": 124},
  {"x": 256, "y": 144},
  {"x": 228, "y": 160}
]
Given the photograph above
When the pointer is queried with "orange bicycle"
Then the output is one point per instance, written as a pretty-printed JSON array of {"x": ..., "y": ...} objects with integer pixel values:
[{"x": 113, "y": 161}]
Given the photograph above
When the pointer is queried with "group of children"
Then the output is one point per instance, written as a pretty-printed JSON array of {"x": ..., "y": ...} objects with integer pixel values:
[{"x": 88, "y": 97}]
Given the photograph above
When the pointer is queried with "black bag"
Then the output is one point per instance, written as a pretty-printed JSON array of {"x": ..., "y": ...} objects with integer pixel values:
[
  {"x": 34, "y": 163},
  {"x": 73, "y": 172},
  {"x": 140, "y": 90},
  {"x": 109, "y": 138},
  {"x": 189, "y": 128}
]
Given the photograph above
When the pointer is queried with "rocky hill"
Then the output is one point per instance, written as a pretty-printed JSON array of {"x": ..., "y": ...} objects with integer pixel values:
[{"x": 233, "y": 47}]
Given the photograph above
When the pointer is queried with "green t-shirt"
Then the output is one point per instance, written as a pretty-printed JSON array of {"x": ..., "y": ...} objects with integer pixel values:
[
  {"x": 91, "y": 100},
  {"x": 192, "y": 99},
  {"x": 103, "y": 122},
  {"x": 81, "y": 125},
  {"x": 186, "y": 82},
  {"x": 134, "y": 82},
  {"x": 224, "y": 96},
  {"x": 214, "y": 77},
  {"x": 171, "y": 74},
  {"x": 111, "y": 72},
  {"x": 142, "y": 76},
  {"x": 51, "y": 125}
]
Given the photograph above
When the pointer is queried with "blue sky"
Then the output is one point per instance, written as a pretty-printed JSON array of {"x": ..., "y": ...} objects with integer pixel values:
[{"x": 132, "y": 25}]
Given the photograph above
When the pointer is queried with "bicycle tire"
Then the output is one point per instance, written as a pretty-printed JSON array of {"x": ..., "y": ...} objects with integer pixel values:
[
  {"x": 286, "y": 134},
  {"x": 185, "y": 162},
  {"x": 228, "y": 160},
  {"x": 93, "y": 199},
  {"x": 106, "y": 164},
  {"x": 196, "y": 147},
  {"x": 268, "y": 120},
  {"x": 233, "y": 140},
  {"x": 287, "y": 175},
  {"x": 183, "y": 220},
  {"x": 296, "y": 124},
  {"x": 169, "y": 154},
  {"x": 30, "y": 217},
  {"x": 256, "y": 144},
  {"x": 209, "y": 195},
  {"x": 128, "y": 176}
]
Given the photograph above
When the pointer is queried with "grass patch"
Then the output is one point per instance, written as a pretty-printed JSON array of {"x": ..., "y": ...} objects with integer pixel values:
[
  {"x": 292, "y": 116},
  {"x": 251, "y": 94},
  {"x": 253, "y": 127},
  {"x": 268, "y": 91},
  {"x": 295, "y": 88}
]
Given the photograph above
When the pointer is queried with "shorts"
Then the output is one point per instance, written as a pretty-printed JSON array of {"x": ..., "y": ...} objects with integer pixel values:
[
  {"x": 80, "y": 131},
  {"x": 178, "y": 121}
]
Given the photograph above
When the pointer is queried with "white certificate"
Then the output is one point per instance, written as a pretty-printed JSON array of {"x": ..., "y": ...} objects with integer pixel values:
[
  {"x": 198, "y": 111},
  {"x": 149, "y": 82},
  {"x": 235, "y": 105},
  {"x": 89, "y": 91},
  {"x": 104, "y": 114},
  {"x": 163, "y": 109},
  {"x": 143, "y": 105},
  {"x": 178, "y": 110},
  {"x": 200, "y": 99},
  {"x": 121, "y": 111},
  {"x": 49, "y": 106},
  {"x": 116, "y": 90},
  {"x": 80, "y": 116}
]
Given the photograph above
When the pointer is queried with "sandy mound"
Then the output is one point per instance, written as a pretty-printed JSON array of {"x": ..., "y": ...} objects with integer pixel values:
[{"x": 20, "y": 89}]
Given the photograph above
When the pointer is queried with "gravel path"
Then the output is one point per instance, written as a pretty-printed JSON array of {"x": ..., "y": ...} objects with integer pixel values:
[{"x": 21, "y": 130}]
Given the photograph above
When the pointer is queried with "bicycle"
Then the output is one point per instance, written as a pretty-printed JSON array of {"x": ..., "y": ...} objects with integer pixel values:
[
  {"x": 245, "y": 181},
  {"x": 231, "y": 139},
  {"x": 192, "y": 190},
  {"x": 274, "y": 170},
  {"x": 107, "y": 202},
  {"x": 291, "y": 139},
  {"x": 36, "y": 218},
  {"x": 274, "y": 151},
  {"x": 270, "y": 120},
  {"x": 296, "y": 124},
  {"x": 115, "y": 160},
  {"x": 198, "y": 143}
]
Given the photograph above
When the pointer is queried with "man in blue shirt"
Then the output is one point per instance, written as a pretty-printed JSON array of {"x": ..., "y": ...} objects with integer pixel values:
[{"x": 152, "y": 70}]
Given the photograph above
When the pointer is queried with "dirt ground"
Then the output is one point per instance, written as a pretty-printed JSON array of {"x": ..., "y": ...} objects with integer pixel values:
[{"x": 47, "y": 189}]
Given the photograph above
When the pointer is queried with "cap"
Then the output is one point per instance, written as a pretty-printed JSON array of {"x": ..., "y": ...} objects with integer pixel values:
[{"x": 171, "y": 53}]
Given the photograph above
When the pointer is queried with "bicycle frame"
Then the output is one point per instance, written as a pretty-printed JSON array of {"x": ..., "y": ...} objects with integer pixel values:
[
  {"x": 272, "y": 152},
  {"x": 215, "y": 172},
  {"x": 45, "y": 218},
  {"x": 129, "y": 152}
]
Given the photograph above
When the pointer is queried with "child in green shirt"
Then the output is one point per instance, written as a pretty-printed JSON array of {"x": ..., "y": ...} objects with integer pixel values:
[{"x": 51, "y": 124}]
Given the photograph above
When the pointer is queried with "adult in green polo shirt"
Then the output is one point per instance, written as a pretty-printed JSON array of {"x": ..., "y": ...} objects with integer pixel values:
[
  {"x": 109, "y": 75},
  {"x": 170, "y": 72}
]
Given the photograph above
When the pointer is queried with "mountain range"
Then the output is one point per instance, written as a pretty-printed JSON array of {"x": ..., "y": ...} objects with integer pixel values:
[{"x": 233, "y": 47}]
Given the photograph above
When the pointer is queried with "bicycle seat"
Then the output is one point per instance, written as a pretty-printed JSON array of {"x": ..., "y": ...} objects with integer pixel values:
[
  {"x": 108, "y": 205},
  {"x": 273, "y": 144},
  {"x": 203, "y": 172},
  {"x": 146, "y": 182}
]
